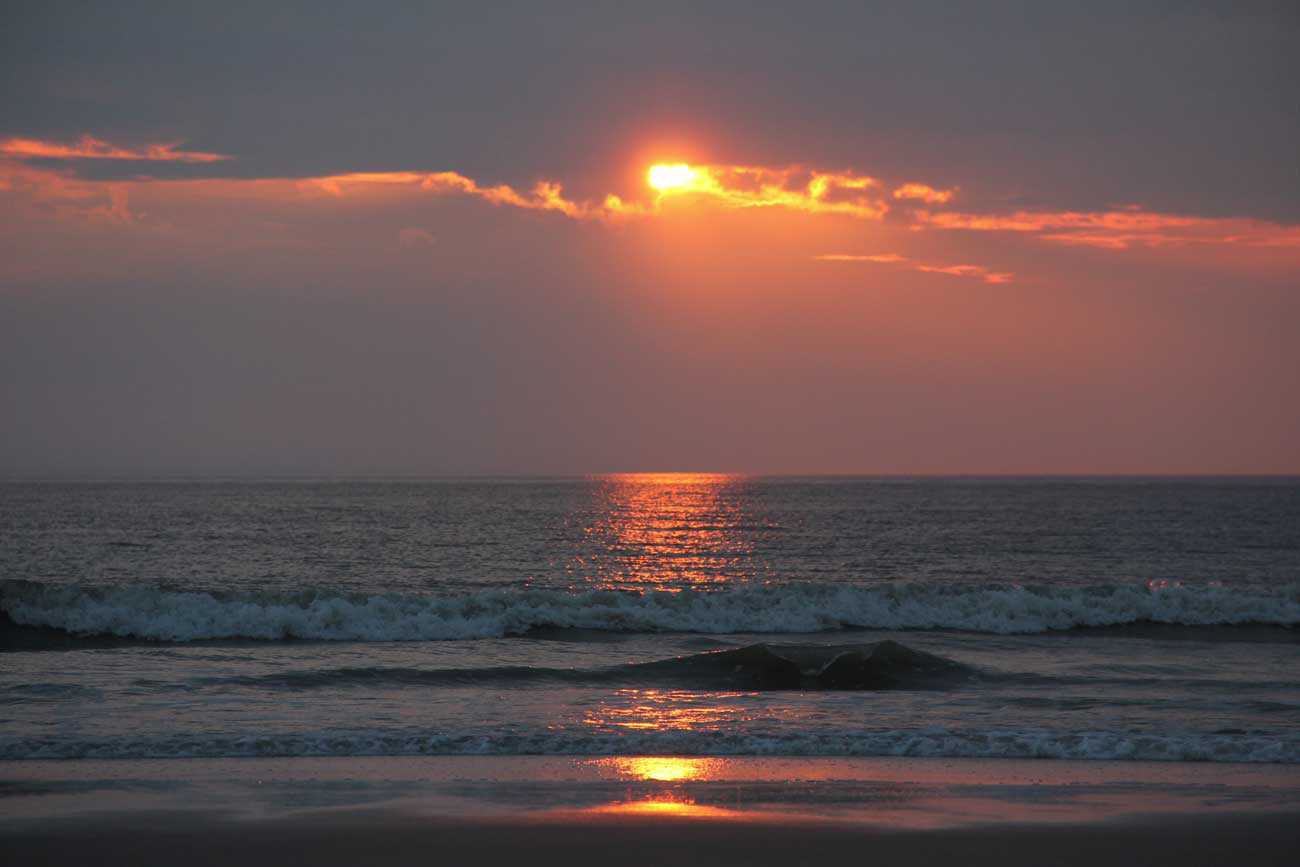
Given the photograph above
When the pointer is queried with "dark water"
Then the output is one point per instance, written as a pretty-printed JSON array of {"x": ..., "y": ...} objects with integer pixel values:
[{"x": 653, "y": 614}]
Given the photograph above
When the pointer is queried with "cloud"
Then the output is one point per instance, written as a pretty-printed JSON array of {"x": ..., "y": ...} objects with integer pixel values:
[
  {"x": 1121, "y": 229},
  {"x": 739, "y": 187},
  {"x": 90, "y": 148},
  {"x": 924, "y": 193},
  {"x": 795, "y": 188},
  {"x": 731, "y": 187},
  {"x": 968, "y": 271},
  {"x": 63, "y": 195},
  {"x": 986, "y": 274},
  {"x": 544, "y": 196},
  {"x": 810, "y": 191},
  {"x": 849, "y": 194},
  {"x": 882, "y": 258},
  {"x": 858, "y": 196}
]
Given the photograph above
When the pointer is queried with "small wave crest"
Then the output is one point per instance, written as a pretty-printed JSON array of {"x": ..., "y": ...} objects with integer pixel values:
[
  {"x": 157, "y": 614},
  {"x": 879, "y": 666},
  {"x": 27, "y": 693},
  {"x": 934, "y": 743}
]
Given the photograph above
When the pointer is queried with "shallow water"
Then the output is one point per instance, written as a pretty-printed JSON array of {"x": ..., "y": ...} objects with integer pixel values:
[{"x": 882, "y": 792}]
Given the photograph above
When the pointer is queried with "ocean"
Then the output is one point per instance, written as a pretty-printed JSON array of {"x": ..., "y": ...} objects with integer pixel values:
[{"x": 688, "y": 615}]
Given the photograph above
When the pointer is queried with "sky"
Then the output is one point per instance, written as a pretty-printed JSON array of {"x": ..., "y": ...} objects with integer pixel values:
[{"x": 421, "y": 239}]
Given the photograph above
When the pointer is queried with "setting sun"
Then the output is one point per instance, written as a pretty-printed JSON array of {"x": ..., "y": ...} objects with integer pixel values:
[{"x": 675, "y": 176}]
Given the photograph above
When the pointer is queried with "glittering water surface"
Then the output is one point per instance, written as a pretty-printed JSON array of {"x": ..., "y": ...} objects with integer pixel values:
[{"x": 1086, "y": 618}]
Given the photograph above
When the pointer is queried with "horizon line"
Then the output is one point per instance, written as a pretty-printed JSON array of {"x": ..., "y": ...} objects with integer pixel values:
[{"x": 535, "y": 476}]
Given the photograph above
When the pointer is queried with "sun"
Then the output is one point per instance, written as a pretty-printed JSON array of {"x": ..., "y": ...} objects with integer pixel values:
[{"x": 674, "y": 176}]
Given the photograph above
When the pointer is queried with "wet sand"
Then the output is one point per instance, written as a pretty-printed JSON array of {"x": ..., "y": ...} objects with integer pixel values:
[
  {"x": 660, "y": 810},
  {"x": 385, "y": 838}
]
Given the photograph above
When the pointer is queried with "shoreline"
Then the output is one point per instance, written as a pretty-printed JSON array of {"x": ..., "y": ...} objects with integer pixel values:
[
  {"x": 645, "y": 810},
  {"x": 384, "y": 837},
  {"x": 882, "y": 793}
]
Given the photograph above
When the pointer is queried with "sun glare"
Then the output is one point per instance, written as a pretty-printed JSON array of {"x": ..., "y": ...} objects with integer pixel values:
[{"x": 675, "y": 176}]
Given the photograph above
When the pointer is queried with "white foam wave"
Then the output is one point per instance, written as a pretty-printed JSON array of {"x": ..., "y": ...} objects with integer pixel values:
[
  {"x": 153, "y": 613},
  {"x": 934, "y": 743}
]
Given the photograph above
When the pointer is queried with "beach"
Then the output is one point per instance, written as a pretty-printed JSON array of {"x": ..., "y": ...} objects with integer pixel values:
[
  {"x": 646, "y": 810},
  {"x": 701, "y": 668},
  {"x": 397, "y": 840}
]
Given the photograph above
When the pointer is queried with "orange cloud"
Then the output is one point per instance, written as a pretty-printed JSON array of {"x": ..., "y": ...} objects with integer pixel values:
[
  {"x": 968, "y": 271},
  {"x": 985, "y": 274},
  {"x": 882, "y": 258},
  {"x": 544, "y": 196},
  {"x": 795, "y": 188},
  {"x": 90, "y": 148},
  {"x": 739, "y": 187},
  {"x": 66, "y": 196},
  {"x": 61, "y": 191},
  {"x": 924, "y": 193},
  {"x": 1122, "y": 229},
  {"x": 809, "y": 191}
]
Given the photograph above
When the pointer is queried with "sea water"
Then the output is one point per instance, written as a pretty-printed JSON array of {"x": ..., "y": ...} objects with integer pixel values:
[{"x": 701, "y": 615}]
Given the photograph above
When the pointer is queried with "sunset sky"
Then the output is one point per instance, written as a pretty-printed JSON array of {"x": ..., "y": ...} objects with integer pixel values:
[{"x": 567, "y": 238}]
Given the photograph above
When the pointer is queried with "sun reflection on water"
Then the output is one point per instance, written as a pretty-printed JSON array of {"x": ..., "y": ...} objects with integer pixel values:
[
  {"x": 684, "y": 808},
  {"x": 664, "y": 769},
  {"x": 668, "y": 531},
  {"x": 669, "y": 710},
  {"x": 665, "y": 775}
]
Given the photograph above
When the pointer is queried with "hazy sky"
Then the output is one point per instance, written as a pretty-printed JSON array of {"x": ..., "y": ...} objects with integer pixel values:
[{"x": 354, "y": 238}]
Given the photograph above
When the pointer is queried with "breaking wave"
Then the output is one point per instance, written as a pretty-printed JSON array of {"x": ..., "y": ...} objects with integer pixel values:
[{"x": 152, "y": 613}]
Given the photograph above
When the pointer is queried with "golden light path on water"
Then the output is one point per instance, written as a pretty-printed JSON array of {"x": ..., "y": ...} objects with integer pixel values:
[
  {"x": 667, "y": 807},
  {"x": 668, "y": 532},
  {"x": 663, "y": 802},
  {"x": 666, "y": 769},
  {"x": 668, "y": 710}
]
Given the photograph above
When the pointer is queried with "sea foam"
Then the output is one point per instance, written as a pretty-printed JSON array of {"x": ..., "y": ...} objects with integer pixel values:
[
  {"x": 152, "y": 613},
  {"x": 935, "y": 743}
]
